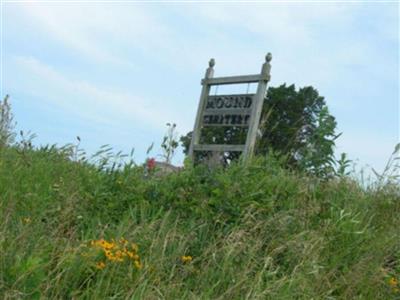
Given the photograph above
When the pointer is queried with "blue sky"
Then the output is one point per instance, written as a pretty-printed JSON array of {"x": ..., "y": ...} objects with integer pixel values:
[{"x": 116, "y": 73}]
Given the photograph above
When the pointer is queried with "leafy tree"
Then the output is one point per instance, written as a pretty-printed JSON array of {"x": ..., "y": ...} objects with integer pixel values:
[{"x": 294, "y": 123}]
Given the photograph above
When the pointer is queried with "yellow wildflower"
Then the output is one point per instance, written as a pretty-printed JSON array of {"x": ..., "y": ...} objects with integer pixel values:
[
  {"x": 100, "y": 265},
  {"x": 26, "y": 220},
  {"x": 108, "y": 246},
  {"x": 108, "y": 254},
  {"x": 393, "y": 282},
  {"x": 186, "y": 259},
  {"x": 129, "y": 253},
  {"x": 137, "y": 264}
]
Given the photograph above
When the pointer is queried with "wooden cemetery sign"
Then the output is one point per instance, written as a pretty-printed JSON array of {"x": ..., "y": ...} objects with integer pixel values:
[{"x": 241, "y": 110}]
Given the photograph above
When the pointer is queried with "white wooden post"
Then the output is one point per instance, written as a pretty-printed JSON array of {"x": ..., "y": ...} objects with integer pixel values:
[
  {"x": 203, "y": 98},
  {"x": 257, "y": 108}
]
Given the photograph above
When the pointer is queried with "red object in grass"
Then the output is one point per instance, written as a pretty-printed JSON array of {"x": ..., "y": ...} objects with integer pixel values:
[{"x": 151, "y": 163}]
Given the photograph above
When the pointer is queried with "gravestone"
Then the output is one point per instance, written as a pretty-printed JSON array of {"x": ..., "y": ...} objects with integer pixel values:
[{"x": 238, "y": 110}]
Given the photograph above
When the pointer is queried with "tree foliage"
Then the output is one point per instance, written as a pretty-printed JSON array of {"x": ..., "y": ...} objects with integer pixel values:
[{"x": 294, "y": 123}]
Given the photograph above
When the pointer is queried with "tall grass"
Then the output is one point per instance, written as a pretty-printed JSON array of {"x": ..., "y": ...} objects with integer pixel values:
[{"x": 254, "y": 232}]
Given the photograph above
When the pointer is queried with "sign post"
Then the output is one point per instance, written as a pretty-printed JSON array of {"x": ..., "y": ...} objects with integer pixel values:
[{"x": 240, "y": 110}]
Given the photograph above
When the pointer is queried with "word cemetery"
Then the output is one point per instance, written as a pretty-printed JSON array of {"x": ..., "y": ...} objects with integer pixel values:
[{"x": 241, "y": 110}]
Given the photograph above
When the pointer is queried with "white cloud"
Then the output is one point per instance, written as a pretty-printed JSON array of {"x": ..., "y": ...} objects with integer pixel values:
[
  {"x": 95, "y": 30},
  {"x": 88, "y": 101},
  {"x": 300, "y": 36},
  {"x": 107, "y": 32}
]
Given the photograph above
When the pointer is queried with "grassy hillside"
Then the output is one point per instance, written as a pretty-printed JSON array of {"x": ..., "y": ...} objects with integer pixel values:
[{"x": 70, "y": 229}]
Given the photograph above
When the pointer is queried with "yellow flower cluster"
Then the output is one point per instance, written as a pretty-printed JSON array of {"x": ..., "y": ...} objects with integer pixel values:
[
  {"x": 186, "y": 259},
  {"x": 117, "y": 251}
]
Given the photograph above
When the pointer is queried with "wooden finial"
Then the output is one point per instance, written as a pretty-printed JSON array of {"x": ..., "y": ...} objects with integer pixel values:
[
  {"x": 210, "y": 70},
  {"x": 268, "y": 57},
  {"x": 266, "y": 68},
  {"x": 211, "y": 63}
]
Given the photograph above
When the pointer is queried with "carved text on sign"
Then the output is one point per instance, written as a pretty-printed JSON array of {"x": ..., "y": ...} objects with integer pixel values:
[
  {"x": 226, "y": 119},
  {"x": 228, "y": 110},
  {"x": 229, "y": 102}
]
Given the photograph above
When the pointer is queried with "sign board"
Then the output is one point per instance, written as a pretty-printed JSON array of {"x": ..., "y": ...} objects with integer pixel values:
[
  {"x": 239, "y": 110},
  {"x": 228, "y": 110}
]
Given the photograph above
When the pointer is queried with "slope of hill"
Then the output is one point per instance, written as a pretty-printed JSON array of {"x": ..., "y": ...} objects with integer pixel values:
[{"x": 71, "y": 229}]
